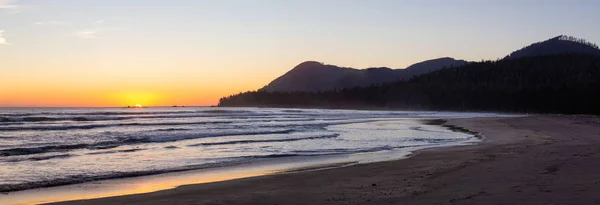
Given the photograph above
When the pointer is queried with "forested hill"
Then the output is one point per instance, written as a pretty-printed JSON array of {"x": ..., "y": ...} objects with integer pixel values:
[
  {"x": 558, "y": 45},
  {"x": 567, "y": 83},
  {"x": 311, "y": 76}
]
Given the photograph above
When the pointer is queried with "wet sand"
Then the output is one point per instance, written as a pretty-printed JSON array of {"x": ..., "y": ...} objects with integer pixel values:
[{"x": 523, "y": 160}]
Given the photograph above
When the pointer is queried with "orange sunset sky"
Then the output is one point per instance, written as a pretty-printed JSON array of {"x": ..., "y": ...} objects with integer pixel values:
[{"x": 163, "y": 53}]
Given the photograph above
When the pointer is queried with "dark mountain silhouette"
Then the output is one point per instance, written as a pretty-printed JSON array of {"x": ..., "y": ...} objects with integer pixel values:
[
  {"x": 558, "y": 45},
  {"x": 560, "y": 75},
  {"x": 311, "y": 76},
  {"x": 566, "y": 83},
  {"x": 433, "y": 65}
]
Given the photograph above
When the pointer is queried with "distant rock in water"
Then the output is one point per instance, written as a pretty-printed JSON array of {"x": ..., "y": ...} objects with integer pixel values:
[
  {"x": 557, "y": 45},
  {"x": 311, "y": 76}
]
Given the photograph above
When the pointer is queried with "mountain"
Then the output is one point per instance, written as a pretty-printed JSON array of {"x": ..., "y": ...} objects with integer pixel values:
[
  {"x": 433, "y": 65},
  {"x": 311, "y": 76},
  {"x": 565, "y": 83},
  {"x": 558, "y": 45},
  {"x": 559, "y": 75}
]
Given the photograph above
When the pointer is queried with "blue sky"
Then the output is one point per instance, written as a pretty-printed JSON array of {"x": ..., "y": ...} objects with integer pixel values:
[{"x": 241, "y": 45}]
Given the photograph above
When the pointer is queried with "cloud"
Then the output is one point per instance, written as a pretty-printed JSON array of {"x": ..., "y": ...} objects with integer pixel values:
[
  {"x": 87, "y": 34},
  {"x": 10, "y": 7},
  {"x": 15, "y": 11},
  {"x": 99, "y": 22},
  {"x": 97, "y": 33},
  {"x": 7, "y": 4},
  {"x": 53, "y": 23},
  {"x": 2, "y": 39}
]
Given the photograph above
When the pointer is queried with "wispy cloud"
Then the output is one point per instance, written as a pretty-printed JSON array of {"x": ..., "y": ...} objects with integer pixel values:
[
  {"x": 98, "y": 32},
  {"x": 2, "y": 39},
  {"x": 8, "y": 4},
  {"x": 53, "y": 23},
  {"x": 99, "y": 22},
  {"x": 87, "y": 34},
  {"x": 15, "y": 11}
]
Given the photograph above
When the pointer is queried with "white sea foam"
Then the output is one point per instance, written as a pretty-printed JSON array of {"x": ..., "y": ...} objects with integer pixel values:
[{"x": 46, "y": 147}]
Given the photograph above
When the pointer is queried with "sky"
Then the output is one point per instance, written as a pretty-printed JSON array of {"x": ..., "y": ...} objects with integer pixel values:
[{"x": 103, "y": 53}]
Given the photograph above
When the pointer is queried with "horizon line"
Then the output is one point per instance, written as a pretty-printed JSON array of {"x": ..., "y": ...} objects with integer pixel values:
[{"x": 172, "y": 106}]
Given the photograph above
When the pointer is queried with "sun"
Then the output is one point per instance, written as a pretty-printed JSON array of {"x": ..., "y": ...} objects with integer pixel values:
[{"x": 138, "y": 105}]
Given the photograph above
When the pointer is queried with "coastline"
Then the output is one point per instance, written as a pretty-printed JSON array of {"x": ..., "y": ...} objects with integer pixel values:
[
  {"x": 135, "y": 184},
  {"x": 521, "y": 160}
]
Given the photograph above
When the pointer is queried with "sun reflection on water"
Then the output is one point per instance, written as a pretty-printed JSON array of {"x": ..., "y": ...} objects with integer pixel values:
[{"x": 128, "y": 186}]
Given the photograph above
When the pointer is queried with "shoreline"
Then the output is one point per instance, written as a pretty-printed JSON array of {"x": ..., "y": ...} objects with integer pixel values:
[
  {"x": 523, "y": 160},
  {"x": 123, "y": 186},
  {"x": 116, "y": 187},
  {"x": 379, "y": 108}
]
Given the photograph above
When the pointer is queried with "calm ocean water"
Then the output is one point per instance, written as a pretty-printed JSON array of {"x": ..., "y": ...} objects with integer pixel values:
[{"x": 53, "y": 146}]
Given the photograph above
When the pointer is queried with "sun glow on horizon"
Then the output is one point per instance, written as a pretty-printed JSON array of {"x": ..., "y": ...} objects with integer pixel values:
[
  {"x": 137, "y": 98},
  {"x": 80, "y": 54}
]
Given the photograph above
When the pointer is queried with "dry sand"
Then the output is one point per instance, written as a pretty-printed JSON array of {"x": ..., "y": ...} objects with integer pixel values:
[{"x": 525, "y": 160}]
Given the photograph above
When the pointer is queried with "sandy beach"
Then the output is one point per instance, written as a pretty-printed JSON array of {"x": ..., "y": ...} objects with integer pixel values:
[{"x": 523, "y": 160}]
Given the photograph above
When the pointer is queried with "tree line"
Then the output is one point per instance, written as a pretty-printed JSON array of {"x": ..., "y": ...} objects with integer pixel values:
[
  {"x": 565, "y": 83},
  {"x": 577, "y": 40}
]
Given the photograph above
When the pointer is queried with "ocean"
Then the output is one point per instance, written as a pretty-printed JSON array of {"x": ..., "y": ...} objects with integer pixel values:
[{"x": 41, "y": 147}]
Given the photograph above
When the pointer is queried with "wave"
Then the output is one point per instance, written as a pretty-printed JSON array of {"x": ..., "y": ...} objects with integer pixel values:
[
  {"x": 108, "y": 116},
  {"x": 419, "y": 128},
  {"x": 127, "y": 141},
  {"x": 121, "y": 113},
  {"x": 92, "y": 126},
  {"x": 116, "y": 151},
  {"x": 79, "y": 119},
  {"x": 263, "y": 141},
  {"x": 293, "y": 111},
  {"x": 43, "y": 128},
  {"x": 225, "y": 111},
  {"x": 440, "y": 140},
  {"x": 349, "y": 150},
  {"x": 153, "y": 139},
  {"x": 220, "y": 162},
  {"x": 76, "y": 179},
  {"x": 173, "y": 129},
  {"x": 8, "y": 120},
  {"x": 92, "y": 113},
  {"x": 53, "y": 119},
  {"x": 42, "y": 149},
  {"x": 198, "y": 136},
  {"x": 292, "y": 115},
  {"x": 416, "y": 128},
  {"x": 39, "y": 158}
]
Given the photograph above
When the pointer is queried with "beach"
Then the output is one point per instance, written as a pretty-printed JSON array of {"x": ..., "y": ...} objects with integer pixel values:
[{"x": 522, "y": 160}]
